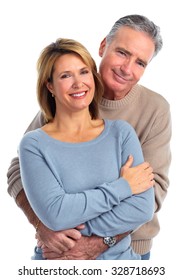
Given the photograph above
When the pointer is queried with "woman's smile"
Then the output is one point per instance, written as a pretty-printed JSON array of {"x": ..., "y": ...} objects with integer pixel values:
[{"x": 79, "y": 94}]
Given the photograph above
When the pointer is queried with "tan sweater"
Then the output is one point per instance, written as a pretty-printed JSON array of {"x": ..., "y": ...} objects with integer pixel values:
[{"x": 149, "y": 113}]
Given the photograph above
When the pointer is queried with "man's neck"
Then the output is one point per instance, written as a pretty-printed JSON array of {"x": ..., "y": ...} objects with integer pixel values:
[{"x": 114, "y": 95}]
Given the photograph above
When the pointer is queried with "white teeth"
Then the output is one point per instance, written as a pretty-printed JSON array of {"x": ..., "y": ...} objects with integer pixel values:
[{"x": 78, "y": 94}]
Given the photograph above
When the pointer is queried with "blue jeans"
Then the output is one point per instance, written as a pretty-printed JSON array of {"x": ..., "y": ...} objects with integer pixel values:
[
  {"x": 37, "y": 254},
  {"x": 145, "y": 256}
]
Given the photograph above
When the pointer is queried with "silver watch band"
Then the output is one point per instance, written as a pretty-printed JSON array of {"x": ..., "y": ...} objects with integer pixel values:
[{"x": 109, "y": 241}]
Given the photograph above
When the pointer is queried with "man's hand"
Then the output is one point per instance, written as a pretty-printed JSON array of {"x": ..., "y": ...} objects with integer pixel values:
[
  {"x": 57, "y": 241},
  {"x": 86, "y": 248}
]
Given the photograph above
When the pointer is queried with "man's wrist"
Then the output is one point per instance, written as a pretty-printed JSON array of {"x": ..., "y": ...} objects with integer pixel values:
[
  {"x": 23, "y": 203},
  {"x": 121, "y": 236},
  {"x": 110, "y": 241}
]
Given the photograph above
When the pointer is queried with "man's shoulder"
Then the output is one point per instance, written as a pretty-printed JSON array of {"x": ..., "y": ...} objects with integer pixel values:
[
  {"x": 152, "y": 97},
  {"x": 37, "y": 122}
]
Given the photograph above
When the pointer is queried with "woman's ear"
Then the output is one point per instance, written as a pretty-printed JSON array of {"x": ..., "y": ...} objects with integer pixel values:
[
  {"x": 49, "y": 86},
  {"x": 102, "y": 47}
]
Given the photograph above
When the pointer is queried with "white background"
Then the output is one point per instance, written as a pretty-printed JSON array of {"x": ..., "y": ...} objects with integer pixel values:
[{"x": 26, "y": 28}]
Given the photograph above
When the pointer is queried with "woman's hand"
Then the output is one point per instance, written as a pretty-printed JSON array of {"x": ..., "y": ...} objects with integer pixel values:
[{"x": 140, "y": 177}]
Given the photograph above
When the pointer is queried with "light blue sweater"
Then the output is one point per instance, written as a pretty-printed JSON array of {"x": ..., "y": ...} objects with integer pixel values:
[{"x": 69, "y": 184}]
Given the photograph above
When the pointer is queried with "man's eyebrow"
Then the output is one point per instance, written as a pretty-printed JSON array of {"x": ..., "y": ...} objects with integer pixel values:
[
  {"x": 143, "y": 62},
  {"x": 123, "y": 50},
  {"x": 129, "y": 53}
]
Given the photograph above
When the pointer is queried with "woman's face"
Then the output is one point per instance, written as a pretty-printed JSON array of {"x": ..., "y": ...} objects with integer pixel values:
[{"x": 73, "y": 84}]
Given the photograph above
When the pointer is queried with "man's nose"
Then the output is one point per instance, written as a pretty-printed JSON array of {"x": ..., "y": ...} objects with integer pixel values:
[{"x": 127, "y": 66}]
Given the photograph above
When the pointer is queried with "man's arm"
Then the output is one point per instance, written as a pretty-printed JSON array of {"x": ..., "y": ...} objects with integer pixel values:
[
  {"x": 22, "y": 202},
  {"x": 86, "y": 248},
  {"x": 57, "y": 241},
  {"x": 156, "y": 150}
]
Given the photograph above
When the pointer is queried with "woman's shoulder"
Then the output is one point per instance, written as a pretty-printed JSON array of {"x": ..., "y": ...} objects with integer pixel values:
[
  {"x": 119, "y": 125},
  {"x": 33, "y": 134},
  {"x": 121, "y": 129},
  {"x": 31, "y": 138}
]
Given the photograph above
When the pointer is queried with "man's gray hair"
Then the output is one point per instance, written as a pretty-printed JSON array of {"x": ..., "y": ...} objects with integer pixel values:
[{"x": 139, "y": 23}]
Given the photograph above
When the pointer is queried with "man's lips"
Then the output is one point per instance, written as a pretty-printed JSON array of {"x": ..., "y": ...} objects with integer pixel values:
[{"x": 120, "y": 77}]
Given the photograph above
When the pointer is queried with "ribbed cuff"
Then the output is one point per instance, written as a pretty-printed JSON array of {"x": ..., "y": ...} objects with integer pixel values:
[
  {"x": 142, "y": 246},
  {"x": 17, "y": 187}
]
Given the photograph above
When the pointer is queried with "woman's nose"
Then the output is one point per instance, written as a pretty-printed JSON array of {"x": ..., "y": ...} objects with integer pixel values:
[{"x": 77, "y": 85}]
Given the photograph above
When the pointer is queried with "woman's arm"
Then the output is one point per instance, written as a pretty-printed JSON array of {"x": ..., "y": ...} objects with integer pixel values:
[
  {"x": 132, "y": 212},
  {"x": 128, "y": 216},
  {"x": 55, "y": 208},
  {"x": 13, "y": 174}
]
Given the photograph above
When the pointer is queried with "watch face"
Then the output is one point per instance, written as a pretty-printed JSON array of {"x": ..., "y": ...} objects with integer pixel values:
[{"x": 110, "y": 241}]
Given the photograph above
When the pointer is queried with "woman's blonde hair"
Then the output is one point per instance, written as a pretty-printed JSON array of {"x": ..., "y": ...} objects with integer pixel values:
[{"x": 45, "y": 68}]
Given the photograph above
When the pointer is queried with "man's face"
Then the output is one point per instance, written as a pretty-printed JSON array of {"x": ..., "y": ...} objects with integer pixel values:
[{"x": 124, "y": 61}]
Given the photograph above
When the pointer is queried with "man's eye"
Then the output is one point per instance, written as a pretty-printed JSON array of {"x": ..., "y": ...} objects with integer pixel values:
[
  {"x": 122, "y": 53},
  {"x": 141, "y": 64}
]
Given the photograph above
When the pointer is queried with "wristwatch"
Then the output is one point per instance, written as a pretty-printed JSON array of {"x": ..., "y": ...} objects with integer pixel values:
[{"x": 109, "y": 241}]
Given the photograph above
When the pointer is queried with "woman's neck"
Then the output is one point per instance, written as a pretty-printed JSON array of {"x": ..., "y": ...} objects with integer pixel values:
[
  {"x": 74, "y": 128},
  {"x": 72, "y": 122}
]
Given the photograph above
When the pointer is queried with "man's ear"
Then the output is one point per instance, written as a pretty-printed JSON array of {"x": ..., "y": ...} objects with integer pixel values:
[{"x": 102, "y": 47}]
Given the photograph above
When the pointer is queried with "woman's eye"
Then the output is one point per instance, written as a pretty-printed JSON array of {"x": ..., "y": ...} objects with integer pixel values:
[
  {"x": 64, "y": 76},
  {"x": 84, "y": 72}
]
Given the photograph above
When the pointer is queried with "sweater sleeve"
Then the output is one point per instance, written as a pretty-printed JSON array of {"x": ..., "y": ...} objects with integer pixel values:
[
  {"x": 156, "y": 150},
  {"x": 132, "y": 212},
  {"x": 13, "y": 175},
  {"x": 57, "y": 209}
]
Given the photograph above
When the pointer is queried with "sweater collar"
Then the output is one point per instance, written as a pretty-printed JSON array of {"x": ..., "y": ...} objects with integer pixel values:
[{"x": 130, "y": 97}]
